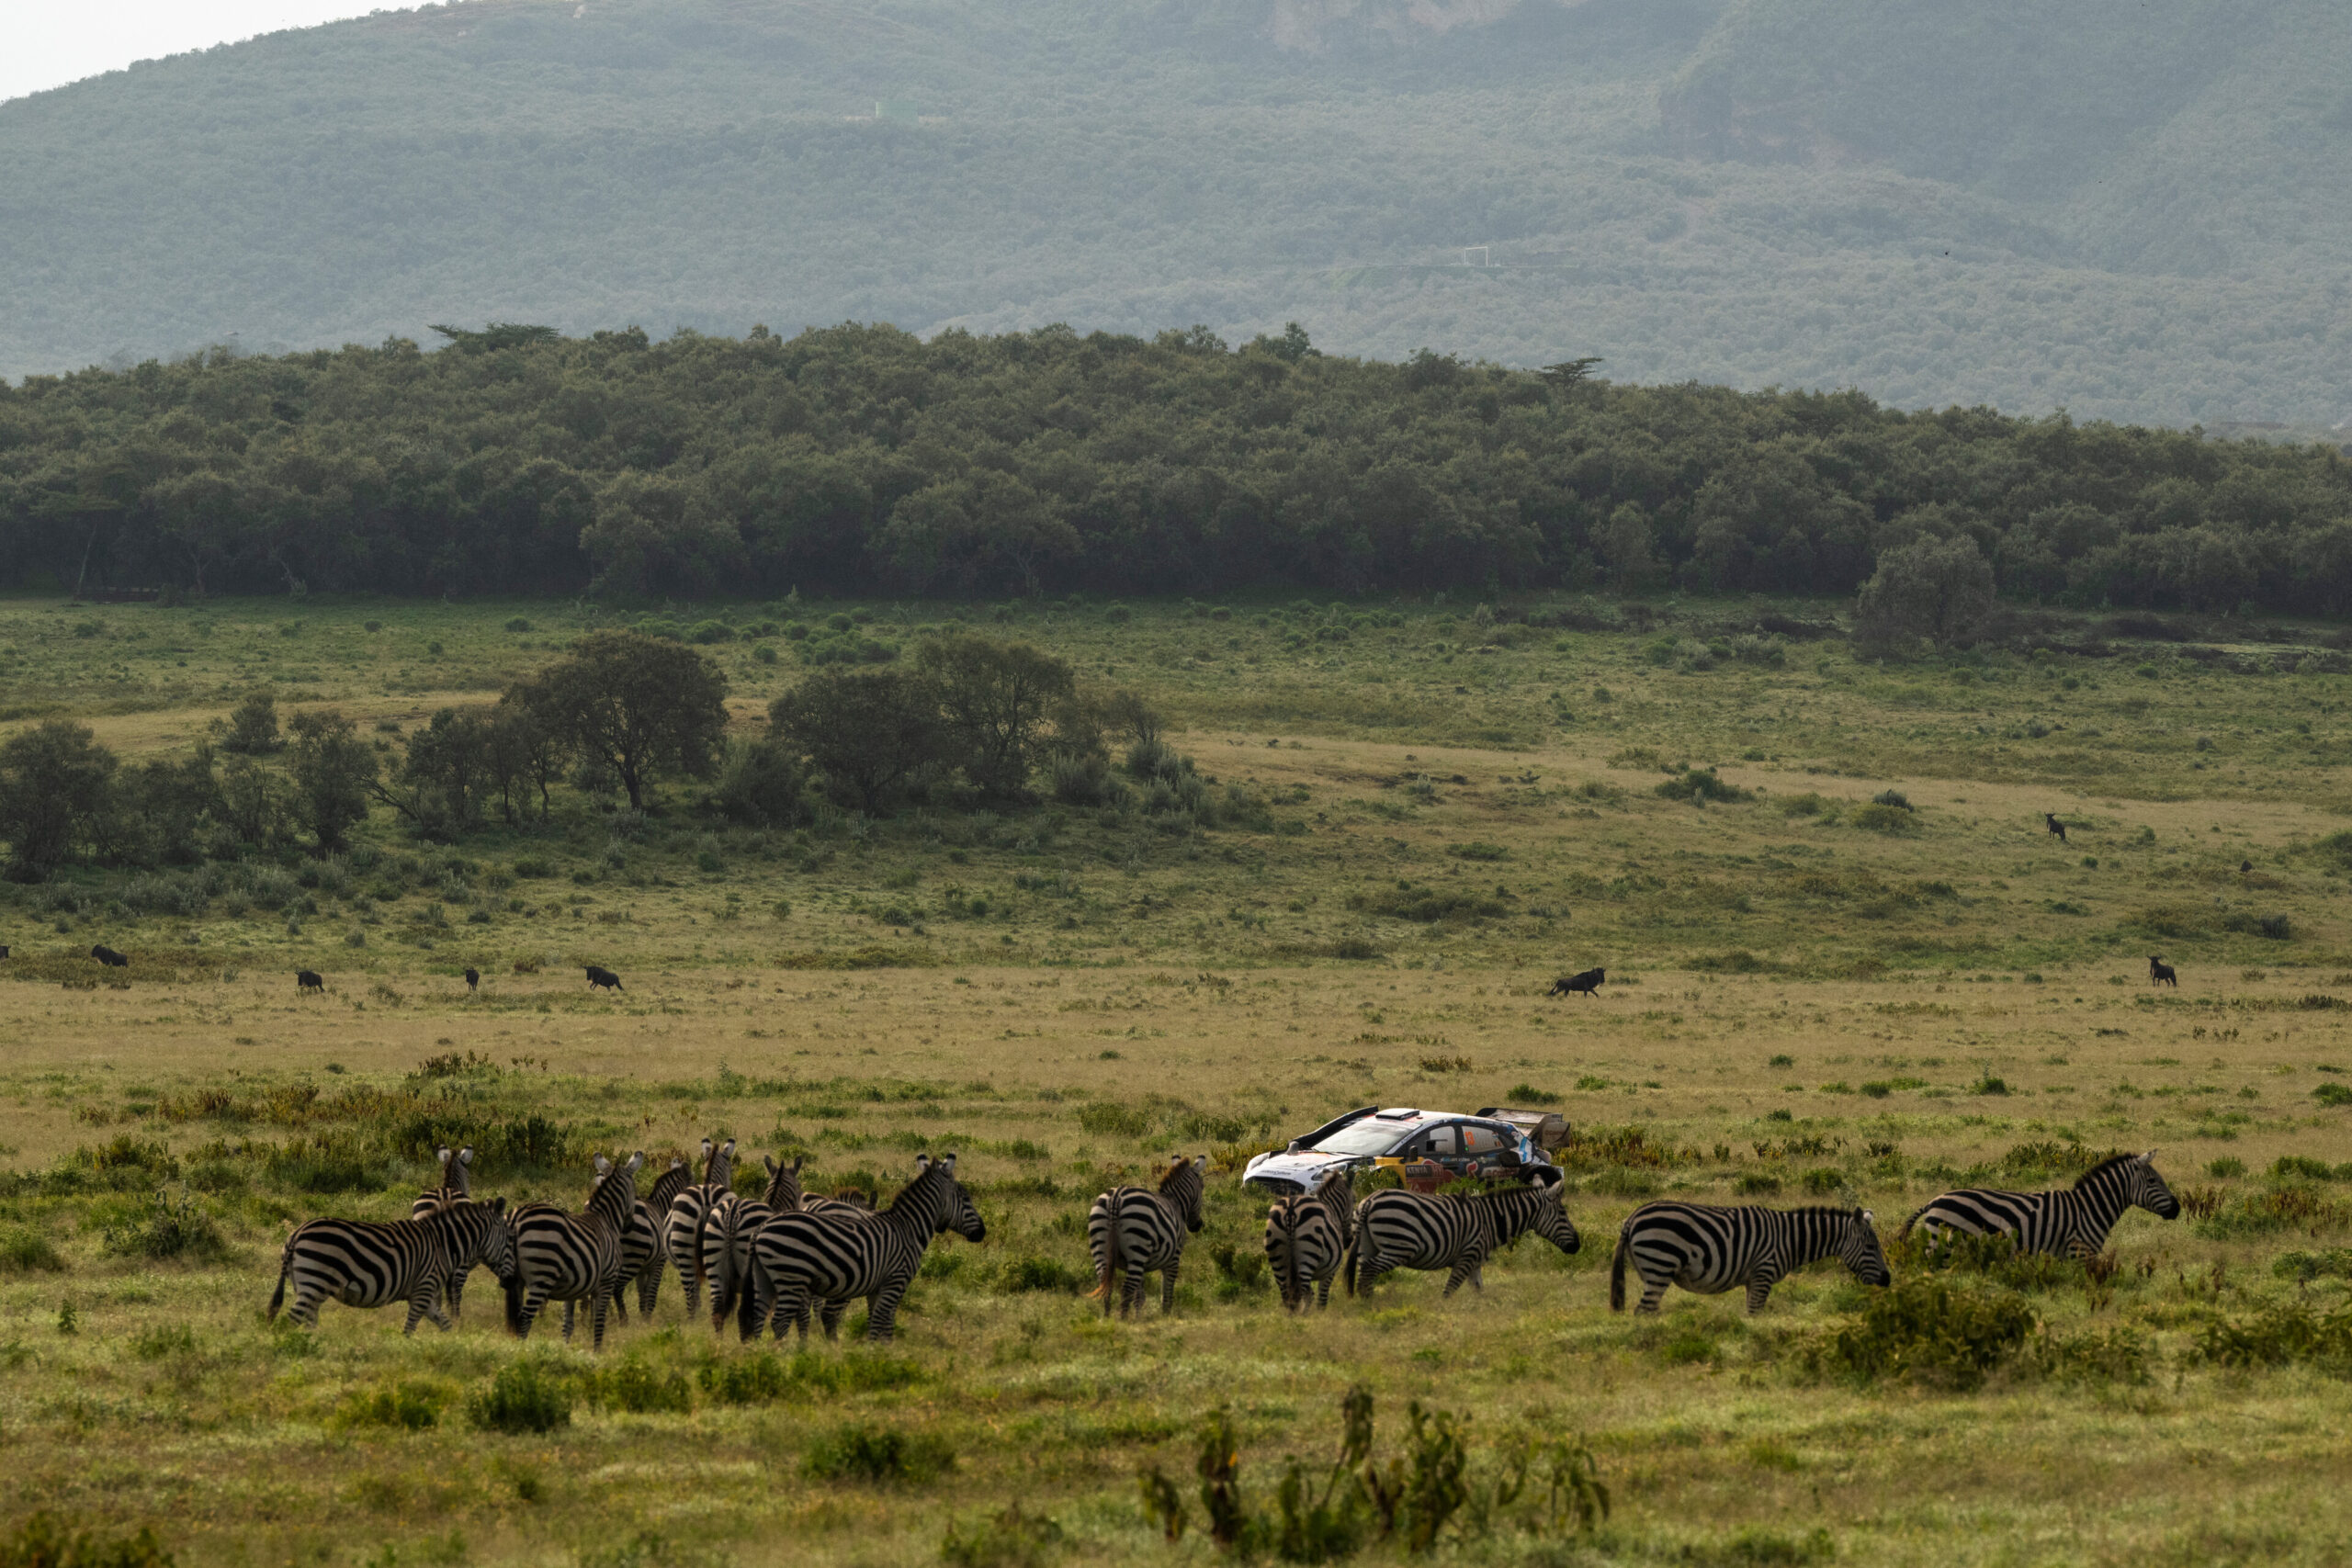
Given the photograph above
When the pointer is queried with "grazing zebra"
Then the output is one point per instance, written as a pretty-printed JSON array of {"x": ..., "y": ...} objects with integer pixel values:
[
  {"x": 2065, "y": 1223},
  {"x": 1132, "y": 1232},
  {"x": 800, "y": 1259},
  {"x": 362, "y": 1263},
  {"x": 656, "y": 1205},
  {"x": 682, "y": 1234},
  {"x": 1709, "y": 1248},
  {"x": 1308, "y": 1236},
  {"x": 1397, "y": 1229},
  {"x": 573, "y": 1257}
]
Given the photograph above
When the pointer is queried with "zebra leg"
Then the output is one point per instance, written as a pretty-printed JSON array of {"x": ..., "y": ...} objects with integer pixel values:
[
  {"x": 306, "y": 1305},
  {"x": 882, "y": 1312},
  {"x": 1370, "y": 1269},
  {"x": 596, "y": 1308},
  {"x": 620, "y": 1302},
  {"x": 1167, "y": 1285},
  {"x": 836, "y": 1311},
  {"x": 453, "y": 1292},
  {"x": 568, "y": 1306},
  {"x": 425, "y": 1299},
  {"x": 1760, "y": 1286},
  {"x": 1470, "y": 1266},
  {"x": 1653, "y": 1292},
  {"x": 1131, "y": 1293},
  {"x": 648, "y": 1286},
  {"x": 535, "y": 1301}
]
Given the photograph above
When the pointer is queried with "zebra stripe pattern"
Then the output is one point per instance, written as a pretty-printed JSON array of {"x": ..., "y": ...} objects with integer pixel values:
[
  {"x": 729, "y": 1226},
  {"x": 837, "y": 1255},
  {"x": 573, "y": 1257},
  {"x": 1308, "y": 1236},
  {"x": 2063, "y": 1223},
  {"x": 364, "y": 1263},
  {"x": 654, "y": 1237},
  {"x": 682, "y": 1234},
  {"x": 1397, "y": 1229},
  {"x": 1132, "y": 1232},
  {"x": 1710, "y": 1249},
  {"x": 455, "y": 1189}
]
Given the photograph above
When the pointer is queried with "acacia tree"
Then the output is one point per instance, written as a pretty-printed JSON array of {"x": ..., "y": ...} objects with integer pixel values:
[
  {"x": 641, "y": 706},
  {"x": 1936, "y": 589},
  {"x": 333, "y": 770},
  {"x": 866, "y": 730},
  {"x": 55, "y": 780},
  {"x": 995, "y": 699}
]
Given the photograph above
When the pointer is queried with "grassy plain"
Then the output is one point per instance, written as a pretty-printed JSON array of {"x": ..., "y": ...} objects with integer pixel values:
[{"x": 1801, "y": 1002}]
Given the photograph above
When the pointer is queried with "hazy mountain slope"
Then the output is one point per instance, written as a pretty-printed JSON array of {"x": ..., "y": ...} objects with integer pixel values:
[{"x": 1964, "y": 201}]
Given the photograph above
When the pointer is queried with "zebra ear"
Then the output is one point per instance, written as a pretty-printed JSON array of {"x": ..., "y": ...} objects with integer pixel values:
[
  {"x": 2148, "y": 1157},
  {"x": 947, "y": 1162},
  {"x": 444, "y": 1157},
  {"x": 603, "y": 1165},
  {"x": 728, "y": 1147},
  {"x": 1200, "y": 1162},
  {"x": 707, "y": 1147},
  {"x": 797, "y": 1161},
  {"x": 774, "y": 1168},
  {"x": 1866, "y": 1216},
  {"x": 498, "y": 1206},
  {"x": 637, "y": 1161},
  {"x": 922, "y": 1163},
  {"x": 465, "y": 1156}
]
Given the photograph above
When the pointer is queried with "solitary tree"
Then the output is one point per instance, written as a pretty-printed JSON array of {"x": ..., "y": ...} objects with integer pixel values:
[
  {"x": 54, "y": 784},
  {"x": 332, "y": 769},
  {"x": 995, "y": 698},
  {"x": 639, "y": 705},
  {"x": 253, "y": 729},
  {"x": 866, "y": 730},
  {"x": 1936, "y": 589}
]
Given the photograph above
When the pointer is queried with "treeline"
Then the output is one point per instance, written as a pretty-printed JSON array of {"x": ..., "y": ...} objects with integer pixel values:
[
  {"x": 859, "y": 459},
  {"x": 968, "y": 722}
]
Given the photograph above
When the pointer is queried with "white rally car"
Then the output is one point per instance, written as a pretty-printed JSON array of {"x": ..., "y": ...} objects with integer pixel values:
[{"x": 1465, "y": 1146}]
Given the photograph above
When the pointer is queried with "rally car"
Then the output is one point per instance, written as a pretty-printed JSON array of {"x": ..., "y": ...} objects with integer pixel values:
[{"x": 1455, "y": 1143}]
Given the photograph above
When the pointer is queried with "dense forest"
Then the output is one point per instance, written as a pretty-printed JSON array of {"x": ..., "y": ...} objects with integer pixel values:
[
  {"x": 862, "y": 460},
  {"x": 2132, "y": 211}
]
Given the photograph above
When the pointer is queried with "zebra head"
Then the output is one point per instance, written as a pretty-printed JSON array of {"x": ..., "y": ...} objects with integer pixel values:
[
  {"x": 952, "y": 1207},
  {"x": 784, "y": 1193},
  {"x": 1185, "y": 1183},
  {"x": 614, "y": 1193},
  {"x": 498, "y": 1247},
  {"x": 1860, "y": 1251},
  {"x": 1547, "y": 1217},
  {"x": 2148, "y": 1190},
  {"x": 718, "y": 1170}
]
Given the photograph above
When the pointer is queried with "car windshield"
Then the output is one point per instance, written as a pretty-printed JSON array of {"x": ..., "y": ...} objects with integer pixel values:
[{"x": 1365, "y": 1137}]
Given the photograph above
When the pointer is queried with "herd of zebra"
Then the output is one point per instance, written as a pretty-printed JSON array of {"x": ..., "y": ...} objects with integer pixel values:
[{"x": 785, "y": 1257}]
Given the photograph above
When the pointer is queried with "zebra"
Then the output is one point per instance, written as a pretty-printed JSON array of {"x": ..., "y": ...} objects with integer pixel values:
[
  {"x": 1132, "y": 1232},
  {"x": 723, "y": 1250},
  {"x": 474, "y": 1223},
  {"x": 800, "y": 1259},
  {"x": 1400, "y": 1229},
  {"x": 1308, "y": 1236},
  {"x": 651, "y": 1232},
  {"x": 683, "y": 1233},
  {"x": 1710, "y": 1249},
  {"x": 364, "y": 1263},
  {"x": 2064, "y": 1223},
  {"x": 457, "y": 1183},
  {"x": 573, "y": 1257}
]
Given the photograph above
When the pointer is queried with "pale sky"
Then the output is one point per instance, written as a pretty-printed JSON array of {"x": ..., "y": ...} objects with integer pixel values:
[{"x": 47, "y": 43}]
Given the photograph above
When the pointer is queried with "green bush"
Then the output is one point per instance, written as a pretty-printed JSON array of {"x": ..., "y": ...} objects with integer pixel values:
[
  {"x": 1878, "y": 818},
  {"x": 168, "y": 1229},
  {"x": 26, "y": 1250},
  {"x": 1043, "y": 1274},
  {"x": 525, "y": 1397},
  {"x": 1007, "y": 1539},
  {"x": 2285, "y": 1335},
  {"x": 2333, "y": 1094},
  {"x": 641, "y": 1389},
  {"x": 43, "y": 1541},
  {"x": 404, "y": 1403},
  {"x": 860, "y": 1452},
  {"x": 1929, "y": 1329},
  {"x": 1699, "y": 785}
]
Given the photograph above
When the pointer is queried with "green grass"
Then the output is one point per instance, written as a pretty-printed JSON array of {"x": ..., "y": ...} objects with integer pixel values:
[{"x": 1797, "y": 1010}]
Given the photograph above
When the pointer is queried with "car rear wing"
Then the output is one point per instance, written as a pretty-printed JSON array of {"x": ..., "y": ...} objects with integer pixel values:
[{"x": 1545, "y": 1129}]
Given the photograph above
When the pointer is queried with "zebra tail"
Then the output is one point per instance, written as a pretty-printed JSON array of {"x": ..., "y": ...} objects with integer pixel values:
[
  {"x": 1914, "y": 1217},
  {"x": 1617, "y": 1270},
  {"x": 747, "y": 1312},
  {"x": 285, "y": 1266},
  {"x": 1348, "y": 1263},
  {"x": 513, "y": 1286},
  {"x": 1108, "y": 1264}
]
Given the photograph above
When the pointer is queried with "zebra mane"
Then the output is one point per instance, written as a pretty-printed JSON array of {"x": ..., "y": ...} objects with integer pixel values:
[
  {"x": 2101, "y": 1169},
  {"x": 1176, "y": 1172}
]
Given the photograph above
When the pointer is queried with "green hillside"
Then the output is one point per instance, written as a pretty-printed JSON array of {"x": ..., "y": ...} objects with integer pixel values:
[{"x": 2132, "y": 211}]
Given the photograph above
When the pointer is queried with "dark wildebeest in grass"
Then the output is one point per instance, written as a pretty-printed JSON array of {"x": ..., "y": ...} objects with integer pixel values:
[
  {"x": 2057, "y": 828},
  {"x": 606, "y": 979},
  {"x": 4, "y": 950},
  {"x": 309, "y": 980},
  {"x": 109, "y": 957},
  {"x": 2161, "y": 973},
  {"x": 1588, "y": 983},
  {"x": 473, "y": 978}
]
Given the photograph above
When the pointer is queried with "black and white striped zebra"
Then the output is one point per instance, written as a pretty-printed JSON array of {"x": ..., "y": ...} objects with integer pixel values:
[
  {"x": 1711, "y": 1249},
  {"x": 1307, "y": 1238},
  {"x": 1400, "y": 1229},
  {"x": 2066, "y": 1223},
  {"x": 456, "y": 1190},
  {"x": 648, "y": 1238},
  {"x": 573, "y": 1257},
  {"x": 366, "y": 1263},
  {"x": 683, "y": 1233},
  {"x": 1131, "y": 1231},
  {"x": 835, "y": 1256},
  {"x": 730, "y": 1223}
]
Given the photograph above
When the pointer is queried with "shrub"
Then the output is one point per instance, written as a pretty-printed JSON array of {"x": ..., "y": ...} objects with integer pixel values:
[
  {"x": 1108, "y": 1118},
  {"x": 401, "y": 1403},
  {"x": 1528, "y": 1094},
  {"x": 1701, "y": 784},
  {"x": 1878, "y": 818},
  {"x": 1042, "y": 1274},
  {"x": 43, "y": 1541},
  {"x": 1008, "y": 1539},
  {"x": 26, "y": 1250},
  {"x": 2333, "y": 1094},
  {"x": 637, "y": 1387},
  {"x": 1477, "y": 849},
  {"x": 1929, "y": 1329},
  {"x": 2280, "y": 1336},
  {"x": 1894, "y": 797},
  {"x": 525, "y": 1397},
  {"x": 168, "y": 1230},
  {"x": 859, "y": 1453},
  {"x": 707, "y": 632}
]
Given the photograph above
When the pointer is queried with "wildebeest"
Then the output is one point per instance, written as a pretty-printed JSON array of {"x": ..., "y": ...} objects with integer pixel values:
[
  {"x": 604, "y": 977},
  {"x": 2161, "y": 973},
  {"x": 1588, "y": 983},
  {"x": 2243, "y": 866},
  {"x": 4, "y": 951},
  {"x": 2057, "y": 828},
  {"x": 109, "y": 957},
  {"x": 307, "y": 980},
  {"x": 473, "y": 978}
]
